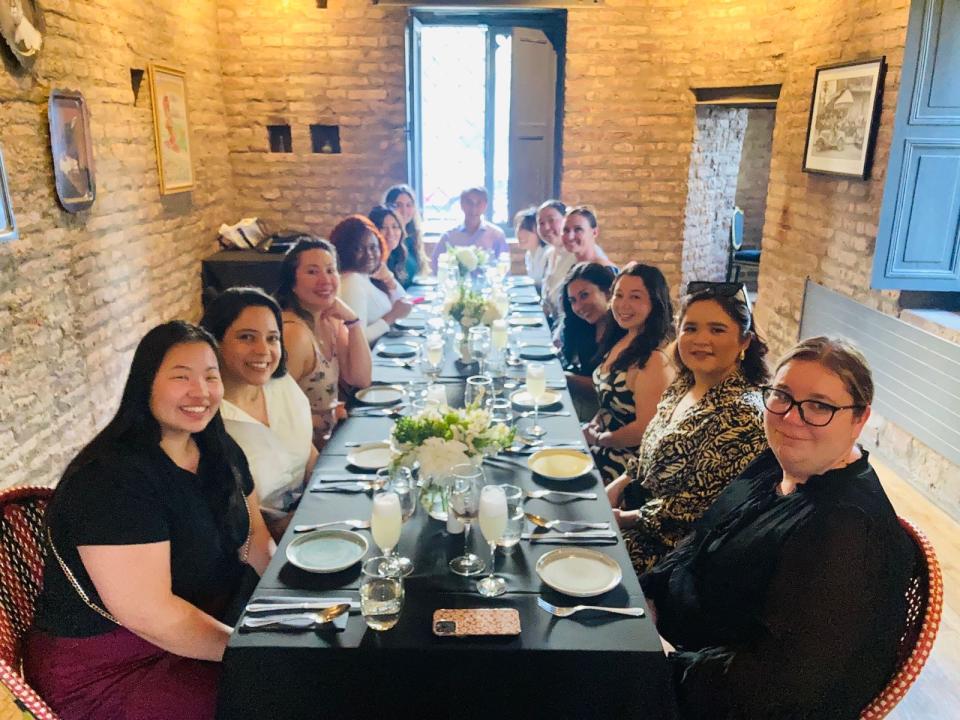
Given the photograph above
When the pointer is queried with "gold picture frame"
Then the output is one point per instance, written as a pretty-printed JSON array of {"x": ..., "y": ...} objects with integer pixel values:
[{"x": 171, "y": 128}]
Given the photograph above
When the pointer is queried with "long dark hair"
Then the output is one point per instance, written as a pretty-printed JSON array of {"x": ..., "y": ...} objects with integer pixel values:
[
  {"x": 223, "y": 311},
  {"x": 657, "y": 329},
  {"x": 413, "y": 229},
  {"x": 134, "y": 427},
  {"x": 396, "y": 260},
  {"x": 580, "y": 337},
  {"x": 753, "y": 366},
  {"x": 288, "y": 274}
]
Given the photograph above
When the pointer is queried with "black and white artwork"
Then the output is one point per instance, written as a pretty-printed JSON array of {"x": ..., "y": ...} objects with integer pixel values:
[{"x": 844, "y": 112}]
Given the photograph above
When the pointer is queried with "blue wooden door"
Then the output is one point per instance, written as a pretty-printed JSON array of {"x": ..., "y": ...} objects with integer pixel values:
[{"x": 918, "y": 236}]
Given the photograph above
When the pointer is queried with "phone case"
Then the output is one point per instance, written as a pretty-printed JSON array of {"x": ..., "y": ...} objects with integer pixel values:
[{"x": 476, "y": 621}]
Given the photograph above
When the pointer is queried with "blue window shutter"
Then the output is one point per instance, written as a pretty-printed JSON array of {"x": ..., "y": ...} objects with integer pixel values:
[{"x": 918, "y": 236}]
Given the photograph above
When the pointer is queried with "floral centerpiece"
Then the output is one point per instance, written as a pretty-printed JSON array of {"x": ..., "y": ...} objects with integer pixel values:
[
  {"x": 468, "y": 258},
  {"x": 437, "y": 439},
  {"x": 470, "y": 308}
]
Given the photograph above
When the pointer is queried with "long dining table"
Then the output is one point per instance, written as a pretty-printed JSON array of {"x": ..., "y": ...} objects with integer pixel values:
[{"x": 588, "y": 665}]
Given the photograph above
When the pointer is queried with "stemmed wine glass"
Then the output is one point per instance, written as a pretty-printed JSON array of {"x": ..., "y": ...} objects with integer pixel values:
[
  {"x": 400, "y": 482},
  {"x": 478, "y": 342},
  {"x": 386, "y": 520},
  {"x": 536, "y": 386},
  {"x": 493, "y": 523},
  {"x": 464, "y": 504},
  {"x": 434, "y": 354}
]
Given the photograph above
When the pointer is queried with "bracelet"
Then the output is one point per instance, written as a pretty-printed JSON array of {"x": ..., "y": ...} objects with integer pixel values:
[{"x": 348, "y": 323}]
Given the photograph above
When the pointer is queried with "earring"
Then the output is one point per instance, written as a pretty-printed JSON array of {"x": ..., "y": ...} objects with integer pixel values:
[{"x": 743, "y": 355}]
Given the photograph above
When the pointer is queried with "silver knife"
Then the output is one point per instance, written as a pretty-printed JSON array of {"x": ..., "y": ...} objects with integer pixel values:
[
  {"x": 267, "y": 607},
  {"x": 589, "y": 534}
]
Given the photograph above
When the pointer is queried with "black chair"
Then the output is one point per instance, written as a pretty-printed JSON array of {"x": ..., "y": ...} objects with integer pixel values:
[{"x": 737, "y": 257}]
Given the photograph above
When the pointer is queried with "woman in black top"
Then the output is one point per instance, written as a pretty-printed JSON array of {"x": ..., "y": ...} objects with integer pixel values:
[
  {"x": 788, "y": 599},
  {"x": 586, "y": 301},
  {"x": 150, "y": 531}
]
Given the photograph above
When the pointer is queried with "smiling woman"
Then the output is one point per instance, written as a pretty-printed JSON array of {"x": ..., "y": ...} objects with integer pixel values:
[
  {"x": 151, "y": 530},
  {"x": 264, "y": 409}
]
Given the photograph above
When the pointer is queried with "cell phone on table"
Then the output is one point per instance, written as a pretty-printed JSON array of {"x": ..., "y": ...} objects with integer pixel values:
[{"x": 476, "y": 621}]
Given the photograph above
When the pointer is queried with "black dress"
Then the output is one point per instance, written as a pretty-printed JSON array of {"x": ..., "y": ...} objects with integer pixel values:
[{"x": 786, "y": 607}]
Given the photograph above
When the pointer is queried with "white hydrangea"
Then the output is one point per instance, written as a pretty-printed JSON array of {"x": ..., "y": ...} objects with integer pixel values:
[
  {"x": 467, "y": 257},
  {"x": 437, "y": 456}
]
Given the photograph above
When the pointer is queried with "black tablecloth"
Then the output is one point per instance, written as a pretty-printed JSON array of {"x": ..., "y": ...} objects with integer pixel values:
[{"x": 591, "y": 665}]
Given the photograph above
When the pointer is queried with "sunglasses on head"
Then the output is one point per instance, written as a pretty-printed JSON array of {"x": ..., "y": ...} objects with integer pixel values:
[{"x": 721, "y": 289}]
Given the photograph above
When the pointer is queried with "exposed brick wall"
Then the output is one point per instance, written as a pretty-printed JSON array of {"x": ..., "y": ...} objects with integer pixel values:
[
  {"x": 292, "y": 63},
  {"x": 755, "y": 173},
  {"x": 78, "y": 291},
  {"x": 711, "y": 188}
]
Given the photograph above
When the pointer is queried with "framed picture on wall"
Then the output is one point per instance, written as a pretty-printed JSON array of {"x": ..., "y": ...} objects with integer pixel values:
[
  {"x": 8, "y": 223},
  {"x": 171, "y": 130},
  {"x": 72, "y": 150},
  {"x": 844, "y": 115}
]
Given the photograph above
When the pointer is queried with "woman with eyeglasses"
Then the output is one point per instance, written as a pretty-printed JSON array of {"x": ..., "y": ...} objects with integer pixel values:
[
  {"x": 707, "y": 427},
  {"x": 788, "y": 599}
]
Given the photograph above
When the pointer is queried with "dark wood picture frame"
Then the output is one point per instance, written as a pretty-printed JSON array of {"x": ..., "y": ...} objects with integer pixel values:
[
  {"x": 844, "y": 116},
  {"x": 72, "y": 150},
  {"x": 8, "y": 222}
]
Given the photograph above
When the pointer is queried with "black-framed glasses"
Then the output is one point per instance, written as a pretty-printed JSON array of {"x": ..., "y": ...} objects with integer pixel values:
[
  {"x": 812, "y": 412},
  {"x": 722, "y": 289}
]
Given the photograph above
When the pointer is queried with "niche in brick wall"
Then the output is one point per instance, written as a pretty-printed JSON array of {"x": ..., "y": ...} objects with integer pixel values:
[
  {"x": 280, "y": 139},
  {"x": 325, "y": 138}
]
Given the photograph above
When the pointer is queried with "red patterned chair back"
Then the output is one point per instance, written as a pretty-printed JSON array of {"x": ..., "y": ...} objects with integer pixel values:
[
  {"x": 22, "y": 552},
  {"x": 924, "y": 605}
]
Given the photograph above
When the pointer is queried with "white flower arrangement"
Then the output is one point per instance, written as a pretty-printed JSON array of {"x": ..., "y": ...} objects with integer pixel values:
[
  {"x": 440, "y": 438},
  {"x": 470, "y": 308}
]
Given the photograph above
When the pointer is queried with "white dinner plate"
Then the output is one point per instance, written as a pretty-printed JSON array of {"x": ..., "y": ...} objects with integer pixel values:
[
  {"x": 371, "y": 456},
  {"x": 327, "y": 551},
  {"x": 412, "y": 322},
  {"x": 380, "y": 395},
  {"x": 397, "y": 349},
  {"x": 524, "y": 321},
  {"x": 522, "y": 398},
  {"x": 560, "y": 463},
  {"x": 425, "y": 280},
  {"x": 525, "y": 300},
  {"x": 580, "y": 572},
  {"x": 519, "y": 281},
  {"x": 537, "y": 351}
]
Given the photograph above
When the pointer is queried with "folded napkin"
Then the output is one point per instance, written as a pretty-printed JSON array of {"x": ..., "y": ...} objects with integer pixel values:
[{"x": 339, "y": 623}]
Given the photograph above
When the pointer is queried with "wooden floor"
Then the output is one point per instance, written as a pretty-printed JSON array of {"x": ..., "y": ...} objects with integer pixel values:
[{"x": 936, "y": 693}]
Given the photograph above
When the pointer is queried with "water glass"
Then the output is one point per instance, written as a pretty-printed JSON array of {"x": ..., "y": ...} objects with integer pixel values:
[
  {"x": 478, "y": 342},
  {"x": 381, "y": 594},
  {"x": 515, "y": 519},
  {"x": 501, "y": 412},
  {"x": 437, "y": 395},
  {"x": 478, "y": 392},
  {"x": 493, "y": 522}
]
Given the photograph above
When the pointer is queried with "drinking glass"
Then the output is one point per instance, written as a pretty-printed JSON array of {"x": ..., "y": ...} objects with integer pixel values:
[
  {"x": 399, "y": 480},
  {"x": 436, "y": 395},
  {"x": 536, "y": 386},
  {"x": 381, "y": 594},
  {"x": 386, "y": 520},
  {"x": 501, "y": 412},
  {"x": 493, "y": 521},
  {"x": 478, "y": 391},
  {"x": 501, "y": 301},
  {"x": 478, "y": 342},
  {"x": 464, "y": 504},
  {"x": 434, "y": 354},
  {"x": 515, "y": 517}
]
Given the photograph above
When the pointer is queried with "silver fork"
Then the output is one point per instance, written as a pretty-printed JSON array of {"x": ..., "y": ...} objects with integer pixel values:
[
  {"x": 538, "y": 494},
  {"x": 354, "y": 524},
  {"x": 568, "y": 611}
]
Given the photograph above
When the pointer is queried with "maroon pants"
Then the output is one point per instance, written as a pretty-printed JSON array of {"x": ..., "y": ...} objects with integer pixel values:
[{"x": 118, "y": 676}]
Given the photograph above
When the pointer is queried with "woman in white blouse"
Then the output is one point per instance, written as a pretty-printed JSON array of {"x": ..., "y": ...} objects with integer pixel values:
[
  {"x": 535, "y": 249},
  {"x": 366, "y": 285},
  {"x": 263, "y": 408}
]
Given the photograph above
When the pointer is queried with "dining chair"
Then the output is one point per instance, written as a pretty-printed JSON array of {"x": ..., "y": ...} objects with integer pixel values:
[
  {"x": 924, "y": 605},
  {"x": 22, "y": 552},
  {"x": 737, "y": 257}
]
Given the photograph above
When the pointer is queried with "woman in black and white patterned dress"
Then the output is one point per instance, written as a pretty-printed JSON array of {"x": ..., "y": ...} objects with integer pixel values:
[
  {"x": 708, "y": 426},
  {"x": 634, "y": 371}
]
